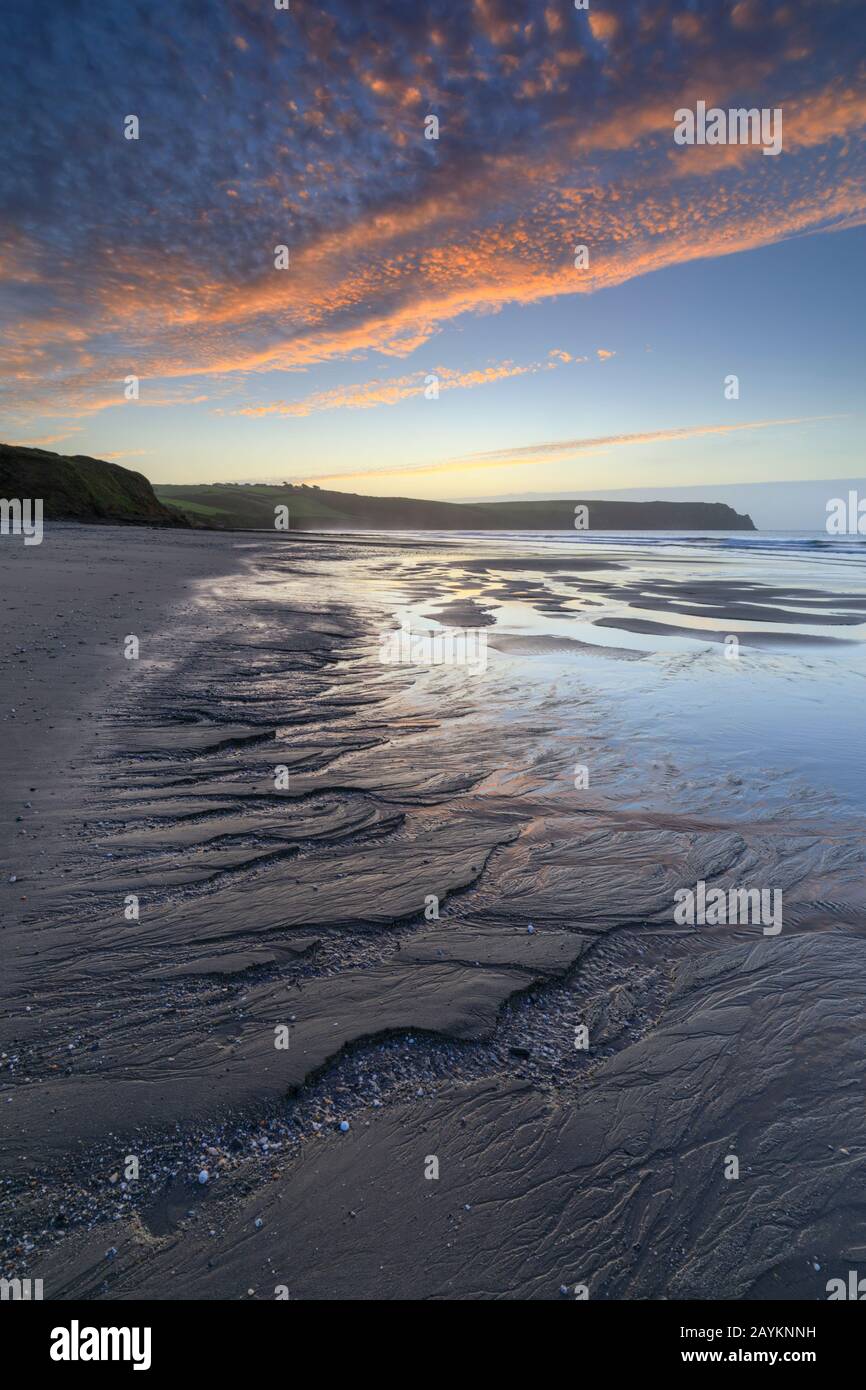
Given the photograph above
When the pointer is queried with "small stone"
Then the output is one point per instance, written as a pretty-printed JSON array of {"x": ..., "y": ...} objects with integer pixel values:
[
  {"x": 344, "y": 1126},
  {"x": 203, "y": 1176}
]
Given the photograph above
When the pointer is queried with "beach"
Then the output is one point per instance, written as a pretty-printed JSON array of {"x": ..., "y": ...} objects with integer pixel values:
[{"x": 371, "y": 965}]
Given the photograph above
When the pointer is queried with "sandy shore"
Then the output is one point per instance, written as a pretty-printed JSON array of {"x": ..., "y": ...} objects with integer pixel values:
[
  {"x": 68, "y": 604},
  {"x": 430, "y": 1130}
]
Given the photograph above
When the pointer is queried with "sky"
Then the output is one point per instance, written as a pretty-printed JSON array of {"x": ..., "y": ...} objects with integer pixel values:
[{"x": 431, "y": 334}]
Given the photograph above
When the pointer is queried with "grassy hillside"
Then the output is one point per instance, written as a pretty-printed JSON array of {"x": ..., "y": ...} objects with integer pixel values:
[
  {"x": 312, "y": 508},
  {"x": 78, "y": 488}
]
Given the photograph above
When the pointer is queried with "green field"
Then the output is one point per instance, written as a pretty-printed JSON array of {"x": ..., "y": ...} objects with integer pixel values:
[{"x": 252, "y": 506}]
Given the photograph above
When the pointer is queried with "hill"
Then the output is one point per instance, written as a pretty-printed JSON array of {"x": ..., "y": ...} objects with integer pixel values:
[
  {"x": 77, "y": 488},
  {"x": 251, "y": 505}
]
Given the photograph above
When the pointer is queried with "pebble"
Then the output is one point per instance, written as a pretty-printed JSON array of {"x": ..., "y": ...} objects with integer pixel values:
[
  {"x": 344, "y": 1125},
  {"x": 203, "y": 1175}
]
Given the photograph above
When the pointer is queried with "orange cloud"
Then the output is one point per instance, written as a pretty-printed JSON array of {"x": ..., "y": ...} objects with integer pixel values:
[
  {"x": 368, "y": 394},
  {"x": 531, "y": 455},
  {"x": 498, "y": 231},
  {"x": 604, "y": 26},
  {"x": 44, "y": 439}
]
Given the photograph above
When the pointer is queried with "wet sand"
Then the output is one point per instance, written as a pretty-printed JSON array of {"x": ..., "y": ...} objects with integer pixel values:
[{"x": 306, "y": 907}]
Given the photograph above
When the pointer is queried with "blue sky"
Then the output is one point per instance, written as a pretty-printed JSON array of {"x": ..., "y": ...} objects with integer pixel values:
[{"x": 452, "y": 257}]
